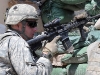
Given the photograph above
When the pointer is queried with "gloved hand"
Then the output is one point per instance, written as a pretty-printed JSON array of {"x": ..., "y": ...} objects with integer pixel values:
[
  {"x": 86, "y": 29},
  {"x": 51, "y": 47},
  {"x": 80, "y": 16}
]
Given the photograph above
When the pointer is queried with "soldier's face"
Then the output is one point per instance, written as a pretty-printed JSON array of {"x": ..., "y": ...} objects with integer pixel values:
[{"x": 30, "y": 28}]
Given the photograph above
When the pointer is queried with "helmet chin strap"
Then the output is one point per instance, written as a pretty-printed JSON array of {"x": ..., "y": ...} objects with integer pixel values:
[{"x": 22, "y": 33}]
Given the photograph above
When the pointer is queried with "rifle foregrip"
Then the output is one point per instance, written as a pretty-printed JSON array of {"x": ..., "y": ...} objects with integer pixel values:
[{"x": 66, "y": 43}]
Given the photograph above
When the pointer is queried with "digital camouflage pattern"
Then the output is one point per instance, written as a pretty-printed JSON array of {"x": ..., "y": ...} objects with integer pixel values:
[
  {"x": 93, "y": 67},
  {"x": 14, "y": 51}
]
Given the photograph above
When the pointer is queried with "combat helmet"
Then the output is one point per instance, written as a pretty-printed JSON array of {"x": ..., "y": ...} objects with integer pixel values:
[{"x": 19, "y": 12}]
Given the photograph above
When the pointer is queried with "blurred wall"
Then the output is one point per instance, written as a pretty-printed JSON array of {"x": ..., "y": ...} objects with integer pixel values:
[{"x": 3, "y": 6}]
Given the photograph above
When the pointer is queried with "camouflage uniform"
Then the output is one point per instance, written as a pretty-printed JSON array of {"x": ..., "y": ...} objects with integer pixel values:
[
  {"x": 14, "y": 49},
  {"x": 93, "y": 61}
]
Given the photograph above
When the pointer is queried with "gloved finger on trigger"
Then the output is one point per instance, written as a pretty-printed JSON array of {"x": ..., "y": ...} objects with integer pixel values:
[
  {"x": 80, "y": 16},
  {"x": 56, "y": 39},
  {"x": 44, "y": 43}
]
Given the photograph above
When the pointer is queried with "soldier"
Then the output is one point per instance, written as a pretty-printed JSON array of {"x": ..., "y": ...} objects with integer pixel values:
[
  {"x": 15, "y": 55},
  {"x": 93, "y": 52}
]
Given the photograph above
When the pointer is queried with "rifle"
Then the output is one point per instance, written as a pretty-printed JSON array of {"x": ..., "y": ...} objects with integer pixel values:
[{"x": 54, "y": 28}]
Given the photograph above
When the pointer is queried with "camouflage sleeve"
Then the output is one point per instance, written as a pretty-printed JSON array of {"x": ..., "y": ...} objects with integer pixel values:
[{"x": 23, "y": 62}]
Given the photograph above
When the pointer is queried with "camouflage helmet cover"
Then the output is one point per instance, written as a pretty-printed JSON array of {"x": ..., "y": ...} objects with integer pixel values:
[{"x": 20, "y": 12}]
